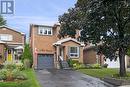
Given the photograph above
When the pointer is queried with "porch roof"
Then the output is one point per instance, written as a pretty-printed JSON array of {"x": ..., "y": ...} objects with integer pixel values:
[
  {"x": 59, "y": 42},
  {"x": 2, "y": 42},
  {"x": 19, "y": 47}
]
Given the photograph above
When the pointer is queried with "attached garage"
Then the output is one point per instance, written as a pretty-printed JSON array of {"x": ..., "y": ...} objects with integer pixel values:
[{"x": 45, "y": 61}]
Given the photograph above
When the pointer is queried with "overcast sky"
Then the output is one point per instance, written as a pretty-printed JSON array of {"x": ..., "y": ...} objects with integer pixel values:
[{"x": 44, "y": 12}]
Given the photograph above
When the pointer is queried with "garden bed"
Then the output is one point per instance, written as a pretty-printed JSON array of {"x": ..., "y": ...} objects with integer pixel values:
[{"x": 30, "y": 82}]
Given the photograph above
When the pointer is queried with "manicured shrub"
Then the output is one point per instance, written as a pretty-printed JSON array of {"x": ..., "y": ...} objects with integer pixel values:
[
  {"x": 20, "y": 66},
  {"x": 79, "y": 66},
  {"x": 96, "y": 66},
  {"x": 93, "y": 66},
  {"x": 10, "y": 66},
  {"x": 19, "y": 75},
  {"x": 3, "y": 74},
  {"x": 72, "y": 62}
]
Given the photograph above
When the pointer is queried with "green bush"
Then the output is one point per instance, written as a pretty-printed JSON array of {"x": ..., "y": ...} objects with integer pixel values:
[
  {"x": 3, "y": 74},
  {"x": 10, "y": 75},
  {"x": 20, "y": 66},
  {"x": 79, "y": 66},
  {"x": 71, "y": 62},
  {"x": 12, "y": 71},
  {"x": 10, "y": 66},
  {"x": 96, "y": 66},
  {"x": 19, "y": 75},
  {"x": 93, "y": 66}
]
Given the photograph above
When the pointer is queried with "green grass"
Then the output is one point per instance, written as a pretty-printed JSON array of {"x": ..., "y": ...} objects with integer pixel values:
[
  {"x": 31, "y": 82},
  {"x": 101, "y": 73}
]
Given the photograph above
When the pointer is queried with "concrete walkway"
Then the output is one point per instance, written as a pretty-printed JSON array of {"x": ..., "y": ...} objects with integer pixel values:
[{"x": 68, "y": 78}]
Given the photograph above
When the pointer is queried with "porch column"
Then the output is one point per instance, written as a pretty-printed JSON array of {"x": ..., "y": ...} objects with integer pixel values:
[{"x": 57, "y": 56}]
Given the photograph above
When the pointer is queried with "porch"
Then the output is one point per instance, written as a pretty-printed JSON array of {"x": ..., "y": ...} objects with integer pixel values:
[
  {"x": 68, "y": 48},
  {"x": 10, "y": 53}
]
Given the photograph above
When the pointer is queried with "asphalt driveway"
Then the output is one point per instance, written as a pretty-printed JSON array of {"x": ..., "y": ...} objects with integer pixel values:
[{"x": 67, "y": 78}]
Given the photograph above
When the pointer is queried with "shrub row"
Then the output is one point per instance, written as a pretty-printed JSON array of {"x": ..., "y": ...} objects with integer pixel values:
[{"x": 76, "y": 65}]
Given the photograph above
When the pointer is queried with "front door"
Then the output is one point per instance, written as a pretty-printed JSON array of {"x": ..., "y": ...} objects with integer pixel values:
[{"x": 9, "y": 57}]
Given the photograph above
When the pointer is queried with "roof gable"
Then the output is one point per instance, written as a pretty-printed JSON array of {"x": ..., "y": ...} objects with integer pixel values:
[
  {"x": 11, "y": 29},
  {"x": 66, "y": 40},
  {"x": 2, "y": 42}
]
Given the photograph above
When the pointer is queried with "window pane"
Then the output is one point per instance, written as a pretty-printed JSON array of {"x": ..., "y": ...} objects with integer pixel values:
[
  {"x": 45, "y": 31},
  {"x": 49, "y": 31},
  {"x": 6, "y": 37},
  {"x": 73, "y": 50},
  {"x": 40, "y": 31}
]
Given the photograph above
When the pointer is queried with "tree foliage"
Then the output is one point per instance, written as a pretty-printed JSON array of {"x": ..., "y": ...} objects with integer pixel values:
[
  {"x": 105, "y": 21},
  {"x": 27, "y": 53},
  {"x": 2, "y": 21}
]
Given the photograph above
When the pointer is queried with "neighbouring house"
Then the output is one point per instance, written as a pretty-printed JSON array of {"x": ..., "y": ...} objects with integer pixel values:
[
  {"x": 116, "y": 63},
  {"x": 91, "y": 57},
  {"x": 48, "y": 49},
  {"x": 11, "y": 44}
]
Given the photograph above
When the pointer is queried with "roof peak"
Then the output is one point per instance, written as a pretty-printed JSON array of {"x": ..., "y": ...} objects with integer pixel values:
[{"x": 4, "y": 26}]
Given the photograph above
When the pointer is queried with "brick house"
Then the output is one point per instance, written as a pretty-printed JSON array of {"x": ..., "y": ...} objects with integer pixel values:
[
  {"x": 11, "y": 44},
  {"x": 48, "y": 49}
]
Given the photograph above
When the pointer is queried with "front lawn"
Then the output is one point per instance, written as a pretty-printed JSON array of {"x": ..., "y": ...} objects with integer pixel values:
[
  {"x": 101, "y": 73},
  {"x": 30, "y": 82}
]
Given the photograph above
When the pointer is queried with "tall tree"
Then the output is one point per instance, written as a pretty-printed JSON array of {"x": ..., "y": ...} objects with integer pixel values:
[
  {"x": 2, "y": 21},
  {"x": 106, "y": 21}
]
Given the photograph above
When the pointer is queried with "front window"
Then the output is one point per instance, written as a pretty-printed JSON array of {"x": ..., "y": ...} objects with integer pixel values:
[
  {"x": 6, "y": 37},
  {"x": 74, "y": 52},
  {"x": 44, "y": 30}
]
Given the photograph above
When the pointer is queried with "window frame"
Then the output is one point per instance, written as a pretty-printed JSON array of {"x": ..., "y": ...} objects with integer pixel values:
[
  {"x": 43, "y": 29},
  {"x": 78, "y": 52},
  {"x": 7, "y": 37}
]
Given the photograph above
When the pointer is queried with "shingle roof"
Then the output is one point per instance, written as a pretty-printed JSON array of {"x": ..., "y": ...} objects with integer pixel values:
[
  {"x": 2, "y": 42},
  {"x": 67, "y": 39}
]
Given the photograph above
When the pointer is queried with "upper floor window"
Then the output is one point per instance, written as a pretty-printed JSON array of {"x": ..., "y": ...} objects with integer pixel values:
[
  {"x": 6, "y": 37},
  {"x": 44, "y": 30}
]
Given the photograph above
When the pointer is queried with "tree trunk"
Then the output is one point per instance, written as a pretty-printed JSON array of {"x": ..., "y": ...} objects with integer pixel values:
[{"x": 122, "y": 61}]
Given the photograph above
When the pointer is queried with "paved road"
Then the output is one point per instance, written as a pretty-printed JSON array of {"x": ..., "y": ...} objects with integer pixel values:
[{"x": 67, "y": 78}]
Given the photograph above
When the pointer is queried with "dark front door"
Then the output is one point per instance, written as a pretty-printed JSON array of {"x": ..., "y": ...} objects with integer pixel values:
[{"x": 45, "y": 61}]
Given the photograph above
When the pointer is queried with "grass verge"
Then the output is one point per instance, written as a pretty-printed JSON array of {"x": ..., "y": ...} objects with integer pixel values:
[{"x": 105, "y": 72}]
